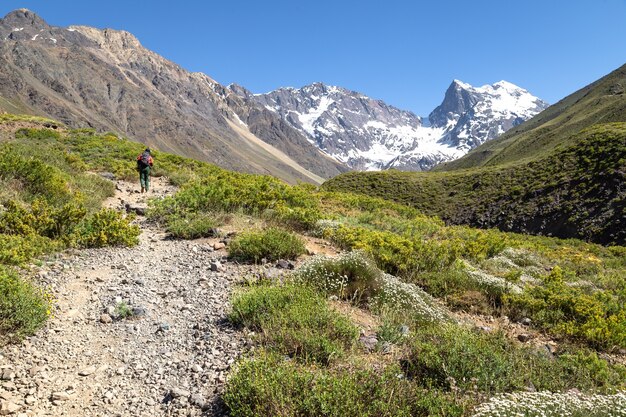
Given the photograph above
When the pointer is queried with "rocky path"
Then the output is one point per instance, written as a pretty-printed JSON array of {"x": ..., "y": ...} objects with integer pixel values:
[{"x": 169, "y": 359}]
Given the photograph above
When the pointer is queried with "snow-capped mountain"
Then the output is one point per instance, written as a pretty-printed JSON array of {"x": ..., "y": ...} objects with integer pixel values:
[{"x": 367, "y": 134}]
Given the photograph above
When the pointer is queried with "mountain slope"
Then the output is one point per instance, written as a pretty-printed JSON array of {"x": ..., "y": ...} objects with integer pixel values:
[
  {"x": 368, "y": 134},
  {"x": 545, "y": 177},
  {"x": 576, "y": 191},
  {"x": 600, "y": 102},
  {"x": 105, "y": 79}
]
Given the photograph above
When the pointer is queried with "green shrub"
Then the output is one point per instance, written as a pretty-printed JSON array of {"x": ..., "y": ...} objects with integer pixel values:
[
  {"x": 192, "y": 226},
  {"x": 40, "y": 219},
  {"x": 350, "y": 276},
  {"x": 353, "y": 276},
  {"x": 596, "y": 317},
  {"x": 269, "y": 386},
  {"x": 270, "y": 244},
  {"x": 222, "y": 191},
  {"x": 396, "y": 254},
  {"x": 35, "y": 177},
  {"x": 107, "y": 228},
  {"x": 123, "y": 311},
  {"x": 18, "y": 250},
  {"x": 294, "y": 320},
  {"x": 23, "y": 307}
]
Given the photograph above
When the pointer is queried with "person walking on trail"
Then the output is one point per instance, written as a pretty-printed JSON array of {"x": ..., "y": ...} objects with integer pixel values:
[{"x": 144, "y": 163}]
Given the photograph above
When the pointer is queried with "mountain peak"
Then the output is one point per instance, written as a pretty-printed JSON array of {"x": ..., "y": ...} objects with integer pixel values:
[
  {"x": 460, "y": 84},
  {"x": 23, "y": 17}
]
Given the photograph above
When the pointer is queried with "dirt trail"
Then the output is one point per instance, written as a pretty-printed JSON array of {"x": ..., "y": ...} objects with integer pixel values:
[{"x": 171, "y": 358}]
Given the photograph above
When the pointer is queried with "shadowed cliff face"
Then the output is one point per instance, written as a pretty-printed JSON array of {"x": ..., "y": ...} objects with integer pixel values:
[{"x": 105, "y": 79}]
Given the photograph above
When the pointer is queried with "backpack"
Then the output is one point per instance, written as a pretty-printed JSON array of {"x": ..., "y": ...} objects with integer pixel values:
[{"x": 143, "y": 160}]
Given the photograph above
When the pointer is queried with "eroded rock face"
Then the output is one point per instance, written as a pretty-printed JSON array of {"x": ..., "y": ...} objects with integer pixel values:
[{"x": 87, "y": 77}]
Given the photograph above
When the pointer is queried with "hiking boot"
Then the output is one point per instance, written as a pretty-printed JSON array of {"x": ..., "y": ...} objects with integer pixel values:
[{"x": 143, "y": 190}]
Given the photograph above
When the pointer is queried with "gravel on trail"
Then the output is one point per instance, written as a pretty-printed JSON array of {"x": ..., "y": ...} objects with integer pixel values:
[{"x": 136, "y": 331}]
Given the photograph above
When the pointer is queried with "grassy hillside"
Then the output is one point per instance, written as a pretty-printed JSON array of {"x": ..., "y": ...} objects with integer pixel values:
[
  {"x": 406, "y": 273},
  {"x": 573, "y": 191},
  {"x": 603, "y": 101}
]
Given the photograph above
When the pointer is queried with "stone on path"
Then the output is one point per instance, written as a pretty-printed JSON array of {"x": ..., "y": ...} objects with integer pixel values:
[
  {"x": 60, "y": 396},
  {"x": 179, "y": 392},
  {"x": 8, "y": 407},
  {"x": 87, "y": 371},
  {"x": 216, "y": 266}
]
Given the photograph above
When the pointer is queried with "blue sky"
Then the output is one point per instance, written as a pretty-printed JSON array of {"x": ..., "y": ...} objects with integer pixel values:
[{"x": 403, "y": 52}]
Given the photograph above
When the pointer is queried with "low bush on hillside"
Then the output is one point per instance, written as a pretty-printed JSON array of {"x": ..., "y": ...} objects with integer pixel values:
[
  {"x": 18, "y": 250},
  {"x": 598, "y": 317},
  {"x": 23, "y": 307},
  {"x": 401, "y": 253},
  {"x": 290, "y": 206},
  {"x": 9, "y": 118},
  {"x": 349, "y": 276},
  {"x": 30, "y": 230},
  {"x": 40, "y": 218},
  {"x": 294, "y": 320},
  {"x": 271, "y": 386},
  {"x": 354, "y": 277},
  {"x": 34, "y": 177},
  {"x": 107, "y": 228},
  {"x": 270, "y": 244}
]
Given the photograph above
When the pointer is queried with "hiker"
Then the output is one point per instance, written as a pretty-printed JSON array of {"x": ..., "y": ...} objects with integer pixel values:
[{"x": 144, "y": 163}]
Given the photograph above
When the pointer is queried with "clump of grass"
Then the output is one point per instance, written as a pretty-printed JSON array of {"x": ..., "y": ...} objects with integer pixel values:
[
  {"x": 193, "y": 226},
  {"x": 23, "y": 307},
  {"x": 294, "y": 320},
  {"x": 123, "y": 310},
  {"x": 270, "y": 244}
]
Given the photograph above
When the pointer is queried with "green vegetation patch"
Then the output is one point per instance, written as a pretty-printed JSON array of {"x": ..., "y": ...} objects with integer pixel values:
[
  {"x": 354, "y": 277},
  {"x": 597, "y": 317},
  {"x": 270, "y": 244},
  {"x": 294, "y": 320},
  {"x": 451, "y": 358},
  {"x": 23, "y": 307},
  {"x": 193, "y": 226},
  {"x": 573, "y": 191},
  {"x": 271, "y": 386},
  {"x": 107, "y": 228}
]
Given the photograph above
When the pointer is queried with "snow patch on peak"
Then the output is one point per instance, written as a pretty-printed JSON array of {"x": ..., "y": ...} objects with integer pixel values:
[
  {"x": 463, "y": 85},
  {"x": 309, "y": 118}
]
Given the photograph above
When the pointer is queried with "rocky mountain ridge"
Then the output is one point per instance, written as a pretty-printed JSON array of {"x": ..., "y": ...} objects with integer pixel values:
[
  {"x": 368, "y": 134},
  {"x": 87, "y": 77}
]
